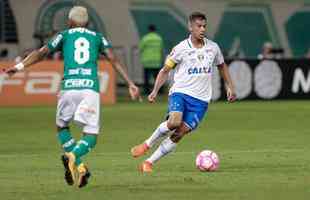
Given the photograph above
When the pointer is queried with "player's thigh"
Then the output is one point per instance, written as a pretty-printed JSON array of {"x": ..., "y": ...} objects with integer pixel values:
[
  {"x": 66, "y": 106},
  {"x": 175, "y": 110},
  {"x": 88, "y": 111},
  {"x": 174, "y": 119}
]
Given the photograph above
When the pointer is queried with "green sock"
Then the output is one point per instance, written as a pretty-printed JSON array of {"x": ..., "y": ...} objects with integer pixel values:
[
  {"x": 68, "y": 143},
  {"x": 78, "y": 161},
  {"x": 84, "y": 146},
  {"x": 66, "y": 140}
]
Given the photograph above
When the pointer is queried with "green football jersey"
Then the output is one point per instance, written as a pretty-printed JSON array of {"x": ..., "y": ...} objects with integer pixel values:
[{"x": 80, "y": 49}]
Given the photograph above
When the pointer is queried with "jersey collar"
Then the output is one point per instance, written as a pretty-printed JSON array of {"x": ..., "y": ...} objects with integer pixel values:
[{"x": 190, "y": 44}]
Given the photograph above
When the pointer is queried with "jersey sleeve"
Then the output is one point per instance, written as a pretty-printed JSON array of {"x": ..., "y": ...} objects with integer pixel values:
[
  {"x": 105, "y": 44},
  {"x": 174, "y": 58},
  {"x": 56, "y": 42},
  {"x": 219, "y": 58}
]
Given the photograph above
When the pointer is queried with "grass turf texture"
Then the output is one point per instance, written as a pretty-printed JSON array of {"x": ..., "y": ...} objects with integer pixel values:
[{"x": 263, "y": 147}]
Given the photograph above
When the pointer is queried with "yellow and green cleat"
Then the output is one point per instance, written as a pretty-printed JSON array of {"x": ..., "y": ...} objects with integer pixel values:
[
  {"x": 68, "y": 176},
  {"x": 84, "y": 175}
]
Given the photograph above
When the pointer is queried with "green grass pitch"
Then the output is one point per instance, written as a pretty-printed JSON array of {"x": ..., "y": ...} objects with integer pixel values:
[{"x": 263, "y": 147}]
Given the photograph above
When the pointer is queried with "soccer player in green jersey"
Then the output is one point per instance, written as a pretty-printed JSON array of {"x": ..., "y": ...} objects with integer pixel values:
[{"x": 79, "y": 99}]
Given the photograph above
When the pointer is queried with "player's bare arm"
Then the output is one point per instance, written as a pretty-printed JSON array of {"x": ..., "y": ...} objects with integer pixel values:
[
  {"x": 160, "y": 80},
  {"x": 231, "y": 95},
  {"x": 133, "y": 89},
  {"x": 34, "y": 57}
]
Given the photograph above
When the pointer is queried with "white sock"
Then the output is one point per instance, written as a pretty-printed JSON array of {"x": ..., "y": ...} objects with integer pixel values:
[
  {"x": 160, "y": 131},
  {"x": 164, "y": 148}
]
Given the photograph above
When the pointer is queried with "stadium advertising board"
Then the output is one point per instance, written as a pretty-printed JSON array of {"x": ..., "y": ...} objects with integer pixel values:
[
  {"x": 40, "y": 84},
  {"x": 267, "y": 79}
]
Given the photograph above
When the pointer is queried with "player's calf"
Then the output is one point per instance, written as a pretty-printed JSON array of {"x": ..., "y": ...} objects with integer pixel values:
[{"x": 179, "y": 133}]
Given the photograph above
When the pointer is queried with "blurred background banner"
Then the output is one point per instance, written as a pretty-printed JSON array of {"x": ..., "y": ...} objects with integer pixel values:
[
  {"x": 254, "y": 79},
  {"x": 267, "y": 79},
  {"x": 40, "y": 85}
]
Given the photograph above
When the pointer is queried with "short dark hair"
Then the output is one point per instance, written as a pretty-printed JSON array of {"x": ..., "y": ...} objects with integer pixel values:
[
  {"x": 152, "y": 27},
  {"x": 197, "y": 15}
]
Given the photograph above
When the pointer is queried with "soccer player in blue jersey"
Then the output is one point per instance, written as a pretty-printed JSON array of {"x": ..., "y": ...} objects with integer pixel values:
[{"x": 193, "y": 61}]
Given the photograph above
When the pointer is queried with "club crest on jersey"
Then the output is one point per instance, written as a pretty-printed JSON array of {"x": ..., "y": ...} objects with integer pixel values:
[{"x": 200, "y": 57}]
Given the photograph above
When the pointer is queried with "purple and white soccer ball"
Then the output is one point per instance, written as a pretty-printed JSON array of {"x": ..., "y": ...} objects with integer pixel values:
[{"x": 207, "y": 161}]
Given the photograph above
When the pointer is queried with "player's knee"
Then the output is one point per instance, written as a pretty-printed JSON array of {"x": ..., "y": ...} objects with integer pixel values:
[
  {"x": 174, "y": 122},
  {"x": 59, "y": 129}
]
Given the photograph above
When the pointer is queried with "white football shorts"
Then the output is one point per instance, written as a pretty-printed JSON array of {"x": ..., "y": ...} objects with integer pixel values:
[{"x": 80, "y": 106}]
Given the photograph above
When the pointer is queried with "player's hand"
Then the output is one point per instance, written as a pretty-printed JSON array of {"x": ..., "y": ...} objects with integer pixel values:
[
  {"x": 10, "y": 71},
  {"x": 231, "y": 95},
  {"x": 152, "y": 97},
  {"x": 134, "y": 92}
]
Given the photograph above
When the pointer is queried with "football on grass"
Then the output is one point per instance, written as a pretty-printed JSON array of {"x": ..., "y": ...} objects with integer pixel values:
[{"x": 207, "y": 161}]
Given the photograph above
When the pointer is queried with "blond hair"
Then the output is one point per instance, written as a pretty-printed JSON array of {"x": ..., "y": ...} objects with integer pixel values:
[{"x": 79, "y": 15}]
